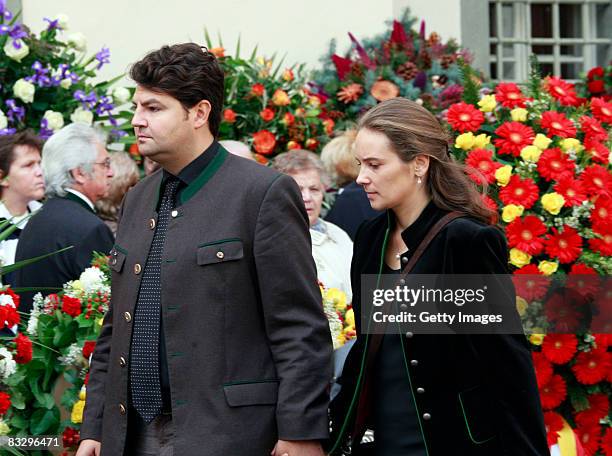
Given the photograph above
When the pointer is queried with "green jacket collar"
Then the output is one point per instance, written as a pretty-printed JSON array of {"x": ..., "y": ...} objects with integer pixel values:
[{"x": 72, "y": 197}]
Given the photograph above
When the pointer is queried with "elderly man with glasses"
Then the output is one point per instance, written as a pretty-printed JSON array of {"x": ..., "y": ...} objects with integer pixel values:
[{"x": 77, "y": 172}]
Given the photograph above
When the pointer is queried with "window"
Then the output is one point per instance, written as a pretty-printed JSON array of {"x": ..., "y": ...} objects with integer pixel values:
[{"x": 568, "y": 36}]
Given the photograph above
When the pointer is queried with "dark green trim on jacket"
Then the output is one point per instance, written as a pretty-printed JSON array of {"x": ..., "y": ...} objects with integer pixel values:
[
  {"x": 220, "y": 241},
  {"x": 205, "y": 176},
  {"x": 77, "y": 199}
]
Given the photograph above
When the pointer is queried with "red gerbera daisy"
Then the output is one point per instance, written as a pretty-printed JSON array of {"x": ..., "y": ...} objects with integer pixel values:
[
  {"x": 509, "y": 95},
  {"x": 583, "y": 280},
  {"x": 553, "y": 423},
  {"x": 464, "y": 117},
  {"x": 599, "y": 403},
  {"x": 543, "y": 368},
  {"x": 603, "y": 340},
  {"x": 565, "y": 245},
  {"x": 526, "y": 234},
  {"x": 597, "y": 181},
  {"x": 564, "y": 309},
  {"x": 591, "y": 367},
  {"x": 481, "y": 160},
  {"x": 553, "y": 392},
  {"x": 554, "y": 164},
  {"x": 559, "y": 348},
  {"x": 601, "y": 216},
  {"x": 601, "y": 109},
  {"x": 593, "y": 129},
  {"x": 530, "y": 283},
  {"x": 597, "y": 151},
  {"x": 490, "y": 203},
  {"x": 602, "y": 244},
  {"x": 571, "y": 190},
  {"x": 589, "y": 437},
  {"x": 513, "y": 136},
  {"x": 606, "y": 442},
  {"x": 556, "y": 124},
  {"x": 519, "y": 191},
  {"x": 562, "y": 90}
]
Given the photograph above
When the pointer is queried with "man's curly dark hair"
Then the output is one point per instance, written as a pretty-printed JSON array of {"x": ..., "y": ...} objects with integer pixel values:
[{"x": 187, "y": 72}]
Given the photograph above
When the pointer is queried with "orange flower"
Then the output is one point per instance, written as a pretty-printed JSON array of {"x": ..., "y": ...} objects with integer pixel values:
[
  {"x": 329, "y": 126},
  {"x": 133, "y": 150},
  {"x": 293, "y": 145},
  {"x": 288, "y": 119},
  {"x": 267, "y": 114},
  {"x": 288, "y": 75},
  {"x": 264, "y": 142},
  {"x": 280, "y": 98},
  {"x": 229, "y": 116},
  {"x": 261, "y": 159},
  {"x": 384, "y": 90},
  {"x": 350, "y": 93},
  {"x": 311, "y": 144},
  {"x": 218, "y": 52},
  {"x": 258, "y": 89}
]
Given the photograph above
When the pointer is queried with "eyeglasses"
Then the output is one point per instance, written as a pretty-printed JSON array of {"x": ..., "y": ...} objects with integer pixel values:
[{"x": 106, "y": 163}]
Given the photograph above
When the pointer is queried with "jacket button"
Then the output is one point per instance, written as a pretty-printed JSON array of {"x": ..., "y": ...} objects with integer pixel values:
[
  {"x": 414, "y": 363},
  {"x": 220, "y": 255},
  {"x": 152, "y": 224},
  {"x": 127, "y": 316},
  {"x": 403, "y": 306},
  {"x": 404, "y": 259},
  {"x": 426, "y": 416},
  {"x": 402, "y": 281},
  {"x": 121, "y": 408},
  {"x": 409, "y": 334},
  {"x": 113, "y": 261},
  {"x": 113, "y": 252},
  {"x": 122, "y": 361},
  {"x": 137, "y": 268},
  {"x": 420, "y": 390},
  {"x": 174, "y": 213}
]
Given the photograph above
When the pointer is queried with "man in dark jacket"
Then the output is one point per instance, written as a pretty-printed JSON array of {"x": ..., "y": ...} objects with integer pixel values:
[{"x": 77, "y": 172}]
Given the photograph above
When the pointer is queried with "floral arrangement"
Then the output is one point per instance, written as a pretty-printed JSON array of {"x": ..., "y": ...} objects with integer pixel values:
[
  {"x": 597, "y": 83},
  {"x": 63, "y": 328},
  {"x": 400, "y": 62},
  {"x": 46, "y": 80},
  {"x": 544, "y": 155},
  {"x": 269, "y": 109},
  {"x": 340, "y": 315}
]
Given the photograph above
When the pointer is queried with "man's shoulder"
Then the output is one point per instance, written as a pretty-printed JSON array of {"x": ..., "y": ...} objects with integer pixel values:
[{"x": 249, "y": 171}]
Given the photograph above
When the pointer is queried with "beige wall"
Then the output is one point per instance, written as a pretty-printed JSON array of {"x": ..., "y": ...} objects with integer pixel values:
[
  {"x": 441, "y": 16},
  {"x": 131, "y": 28}
]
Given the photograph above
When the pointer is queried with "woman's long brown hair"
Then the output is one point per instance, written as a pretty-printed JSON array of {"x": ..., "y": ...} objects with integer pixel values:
[{"x": 413, "y": 130}]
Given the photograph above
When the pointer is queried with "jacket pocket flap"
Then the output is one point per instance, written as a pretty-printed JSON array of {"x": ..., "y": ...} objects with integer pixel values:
[
  {"x": 241, "y": 394},
  {"x": 220, "y": 251},
  {"x": 117, "y": 258}
]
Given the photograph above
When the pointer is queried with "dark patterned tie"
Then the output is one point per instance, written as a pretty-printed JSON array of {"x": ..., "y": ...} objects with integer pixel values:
[{"x": 144, "y": 366}]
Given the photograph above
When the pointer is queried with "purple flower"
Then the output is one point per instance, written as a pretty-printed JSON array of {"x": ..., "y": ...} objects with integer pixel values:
[
  {"x": 4, "y": 29},
  {"x": 8, "y": 131},
  {"x": 40, "y": 76},
  {"x": 105, "y": 105},
  {"x": 53, "y": 24},
  {"x": 4, "y": 12},
  {"x": 15, "y": 113},
  {"x": 17, "y": 33},
  {"x": 45, "y": 132},
  {"x": 87, "y": 100},
  {"x": 103, "y": 57}
]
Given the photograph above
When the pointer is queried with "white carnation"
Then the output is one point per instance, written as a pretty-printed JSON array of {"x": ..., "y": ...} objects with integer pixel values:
[
  {"x": 92, "y": 280},
  {"x": 24, "y": 90},
  {"x": 81, "y": 115},
  {"x": 16, "y": 53},
  {"x": 55, "y": 120},
  {"x": 7, "y": 300},
  {"x": 77, "y": 41},
  {"x": 7, "y": 363},
  {"x": 121, "y": 95},
  {"x": 3, "y": 121}
]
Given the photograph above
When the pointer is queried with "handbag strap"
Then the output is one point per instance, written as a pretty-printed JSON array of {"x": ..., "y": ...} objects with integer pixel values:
[{"x": 376, "y": 339}]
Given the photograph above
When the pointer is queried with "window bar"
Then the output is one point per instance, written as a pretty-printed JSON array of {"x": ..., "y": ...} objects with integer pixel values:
[
  {"x": 556, "y": 37},
  {"x": 500, "y": 41}
]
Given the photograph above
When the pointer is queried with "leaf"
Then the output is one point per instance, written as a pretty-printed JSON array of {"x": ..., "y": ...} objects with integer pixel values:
[
  {"x": 17, "y": 400},
  {"x": 237, "y": 53},
  {"x": 207, "y": 38},
  {"x": 254, "y": 53},
  {"x": 45, "y": 421},
  {"x": 21, "y": 264}
]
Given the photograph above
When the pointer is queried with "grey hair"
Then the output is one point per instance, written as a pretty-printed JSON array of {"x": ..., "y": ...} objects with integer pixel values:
[
  {"x": 74, "y": 146},
  {"x": 297, "y": 160}
]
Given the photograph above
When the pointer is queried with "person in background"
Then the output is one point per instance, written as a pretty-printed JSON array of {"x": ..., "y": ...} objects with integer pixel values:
[
  {"x": 125, "y": 176},
  {"x": 237, "y": 148},
  {"x": 77, "y": 171},
  {"x": 351, "y": 206},
  {"x": 332, "y": 248},
  {"x": 21, "y": 187},
  {"x": 149, "y": 166}
]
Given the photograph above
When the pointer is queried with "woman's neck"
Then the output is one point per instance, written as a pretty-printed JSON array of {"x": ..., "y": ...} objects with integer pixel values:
[
  {"x": 14, "y": 203},
  {"x": 407, "y": 213}
]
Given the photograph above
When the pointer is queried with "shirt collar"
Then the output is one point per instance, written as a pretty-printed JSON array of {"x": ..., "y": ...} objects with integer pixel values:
[
  {"x": 83, "y": 197},
  {"x": 416, "y": 232},
  {"x": 189, "y": 173}
]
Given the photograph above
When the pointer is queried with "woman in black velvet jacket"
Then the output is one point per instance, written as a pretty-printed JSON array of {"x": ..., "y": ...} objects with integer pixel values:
[{"x": 433, "y": 395}]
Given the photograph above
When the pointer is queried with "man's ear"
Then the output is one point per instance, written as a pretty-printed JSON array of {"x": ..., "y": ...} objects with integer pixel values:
[
  {"x": 79, "y": 176},
  {"x": 201, "y": 111}
]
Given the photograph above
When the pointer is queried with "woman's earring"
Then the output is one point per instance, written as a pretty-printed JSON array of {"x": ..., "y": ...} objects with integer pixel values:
[{"x": 419, "y": 181}]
